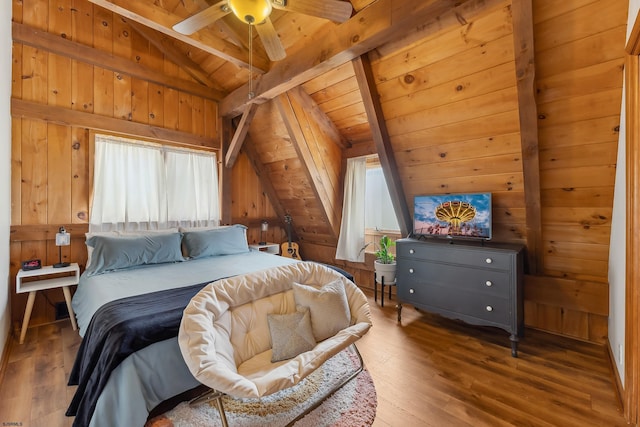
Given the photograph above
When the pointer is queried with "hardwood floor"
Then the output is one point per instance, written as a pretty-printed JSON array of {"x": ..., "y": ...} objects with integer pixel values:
[{"x": 428, "y": 372}]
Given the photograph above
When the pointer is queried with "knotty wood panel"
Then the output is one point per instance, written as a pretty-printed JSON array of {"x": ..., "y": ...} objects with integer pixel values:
[
  {"x": 491, "y": 25},
  {"x": 287, "y": 173},
  {"x": 579, "y": 98},
  {"x": 451, "y": 108},
  {"x": 250, "y": 204},
  {"x": 50, "y": 152},
  {"x": 480, "y": 58}
]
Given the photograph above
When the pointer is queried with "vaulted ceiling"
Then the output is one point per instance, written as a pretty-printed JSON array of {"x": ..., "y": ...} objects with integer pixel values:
[{"x": 319, "y": 55}]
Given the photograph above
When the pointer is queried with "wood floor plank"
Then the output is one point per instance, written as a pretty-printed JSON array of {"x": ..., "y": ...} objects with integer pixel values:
[
  {"x": 428, "y": 371},
  {"x": 17, "y": 391}
]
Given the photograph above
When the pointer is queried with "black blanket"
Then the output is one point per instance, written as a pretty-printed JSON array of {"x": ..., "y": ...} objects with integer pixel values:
[{"x": 118, "y": 329}]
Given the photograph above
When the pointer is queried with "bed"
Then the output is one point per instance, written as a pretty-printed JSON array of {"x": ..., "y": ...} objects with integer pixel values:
[{"x": 156, "y": 372}]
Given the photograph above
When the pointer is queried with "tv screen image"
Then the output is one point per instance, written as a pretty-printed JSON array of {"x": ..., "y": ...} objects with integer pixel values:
[{"x": 465, "y": 215}]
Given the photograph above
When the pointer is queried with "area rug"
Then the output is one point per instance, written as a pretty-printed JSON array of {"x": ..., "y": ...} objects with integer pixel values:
[{"x": 352, "y": 405}]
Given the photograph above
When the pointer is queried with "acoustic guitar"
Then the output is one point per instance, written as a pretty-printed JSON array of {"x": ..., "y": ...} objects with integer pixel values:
[{"x": 290, "y": 249}]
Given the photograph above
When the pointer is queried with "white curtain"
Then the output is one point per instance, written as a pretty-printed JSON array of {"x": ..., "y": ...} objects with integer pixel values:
[
  {"x": 144, "y": 186},
  {"x": 192, "y": 189},
  {"x": 128, "y": 186},
  {"x": 351, "y": 240}
]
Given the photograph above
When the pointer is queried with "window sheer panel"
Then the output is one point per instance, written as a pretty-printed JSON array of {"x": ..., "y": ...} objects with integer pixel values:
[
  {"x": 145, "y": 186},
  {"x": 129, "y": 186},
  {"x": 192, "y": 189},
  {"x": 352, "y": 228},
  {"x": 379, "y": 212}
]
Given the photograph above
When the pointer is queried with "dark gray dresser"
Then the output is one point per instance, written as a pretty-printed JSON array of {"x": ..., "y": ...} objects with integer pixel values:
[{"x": 477, "y": 282}]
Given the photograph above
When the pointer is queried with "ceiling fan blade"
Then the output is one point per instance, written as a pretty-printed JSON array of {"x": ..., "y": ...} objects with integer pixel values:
[
  {"x": 202, "y": 19},
  {"x": 270, "y": 40},
  {"x": 333, "y": 10}
]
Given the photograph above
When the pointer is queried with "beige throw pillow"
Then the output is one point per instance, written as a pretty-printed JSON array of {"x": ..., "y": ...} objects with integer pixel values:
[
  {"x": 328, "y": 306},
  {"x": 290, "y": 334}
]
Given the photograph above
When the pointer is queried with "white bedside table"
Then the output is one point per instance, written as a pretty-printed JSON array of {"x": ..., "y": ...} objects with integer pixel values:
[
  {"x": 43, "y": 283},
  {"x": 271, "y": 248}
]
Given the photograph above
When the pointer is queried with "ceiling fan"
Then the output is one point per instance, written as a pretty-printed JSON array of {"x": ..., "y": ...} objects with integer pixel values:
[{"x": 256, "y": 13}]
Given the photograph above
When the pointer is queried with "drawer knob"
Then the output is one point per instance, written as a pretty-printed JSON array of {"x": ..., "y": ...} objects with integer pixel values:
[
  {"x": 488, "y": 260},
  {"x": 411, "y": 291},
  {"x": 489, "y": 308},
  {"x": 488, "y": 283},
  {"x": 411, "y": 270},
  {"x": 411, "y": 251}
]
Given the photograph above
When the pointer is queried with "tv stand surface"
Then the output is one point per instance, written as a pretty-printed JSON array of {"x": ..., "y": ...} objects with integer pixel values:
[{"x": 478, "y": 282}]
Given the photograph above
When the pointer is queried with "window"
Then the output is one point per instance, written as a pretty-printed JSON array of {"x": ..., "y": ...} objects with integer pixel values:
[
  {"x": 378, "y": 210},
  {"x": 367, "y": 211},
  {"x": 139, "y": 185},
  {"x": 380, "y": 217}
]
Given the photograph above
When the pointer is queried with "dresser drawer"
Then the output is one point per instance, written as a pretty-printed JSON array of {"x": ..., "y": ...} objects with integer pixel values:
[
  {"x": 490, "y": 282},
  {"x": 453, "y": 302},
  {"x": 455, "y": 254}
]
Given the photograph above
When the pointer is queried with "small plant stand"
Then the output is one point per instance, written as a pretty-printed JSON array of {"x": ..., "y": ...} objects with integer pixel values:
[{"x": 382, "y": 284}]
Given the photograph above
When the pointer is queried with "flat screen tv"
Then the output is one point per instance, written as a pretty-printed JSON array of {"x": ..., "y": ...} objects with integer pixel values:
[{"x": 465, "y": 215}]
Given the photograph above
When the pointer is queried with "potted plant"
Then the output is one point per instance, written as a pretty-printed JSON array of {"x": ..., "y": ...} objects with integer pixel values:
[{"x": 385, "y": 263}]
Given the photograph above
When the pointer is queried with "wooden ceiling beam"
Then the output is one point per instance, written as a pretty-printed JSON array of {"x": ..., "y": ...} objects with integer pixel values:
[
  {"x": 159, "y": 19},
  {"x": 382, "y": 141},
  {"x": 522, "y": 13},
  {"x": 240, "y": 135},
  {"x": 52, "y": 43},
  {"x": 68, "y": 117},
  {"x": 314, "y": 175},
  {"x": 166, "y": 45},
  {"x": 379, "y": 23}
]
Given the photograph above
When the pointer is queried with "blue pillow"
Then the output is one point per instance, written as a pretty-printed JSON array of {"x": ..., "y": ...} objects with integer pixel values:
[
  {"x": 112, "y": 253},
  {"x": 218, "y": 241}
]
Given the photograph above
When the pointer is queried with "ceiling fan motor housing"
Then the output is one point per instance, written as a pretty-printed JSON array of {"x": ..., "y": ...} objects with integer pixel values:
[{"x": 251, "y": 11}]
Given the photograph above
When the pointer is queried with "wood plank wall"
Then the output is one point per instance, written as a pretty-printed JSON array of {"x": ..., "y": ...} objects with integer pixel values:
[
  {"x": 250, "y": 204},
  {"x": 579, "y": 50},
  {"x": 451, "y": 106},
  {"x": 450, "y": 103},
  {"x": 50, "y": 155}
]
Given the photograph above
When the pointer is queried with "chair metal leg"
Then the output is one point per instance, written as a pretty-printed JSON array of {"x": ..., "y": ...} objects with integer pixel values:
[
  {"x": 223, "y": 416},
  {"x": 354, "y": 374},
  {"x": 208, "y": 396}
]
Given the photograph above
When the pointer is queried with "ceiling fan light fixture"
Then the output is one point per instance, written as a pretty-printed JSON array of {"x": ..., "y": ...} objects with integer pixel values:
[{"x": 251, "y": 11}]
